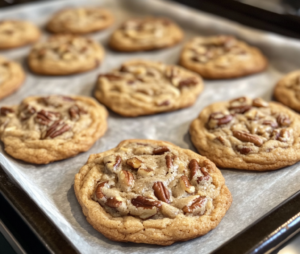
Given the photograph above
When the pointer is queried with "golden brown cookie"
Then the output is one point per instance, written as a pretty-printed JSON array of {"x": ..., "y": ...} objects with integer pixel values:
[
  {"x": 11, "y": 77},
  {"x": 14, "y": 33},
  {"x": 221, "y": 57},
  {"x": 80, "y": 20},
  {"x": 141, "y": 87},
  {"x": 148, "y": 33},
  {"x": 45, "y": 129},
  {"x": 248, "y": 134},
  {"x": 154, "y": 192},
  {"x": 65, "y": 54},
  {"x": 287, "y": 90}
]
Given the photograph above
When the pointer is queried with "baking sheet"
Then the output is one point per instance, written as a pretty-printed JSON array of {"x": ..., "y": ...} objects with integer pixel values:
[{"x": 51, "y": 186}]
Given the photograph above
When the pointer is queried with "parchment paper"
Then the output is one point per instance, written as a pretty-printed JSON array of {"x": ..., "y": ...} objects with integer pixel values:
[{"x": 51, "y": 186}]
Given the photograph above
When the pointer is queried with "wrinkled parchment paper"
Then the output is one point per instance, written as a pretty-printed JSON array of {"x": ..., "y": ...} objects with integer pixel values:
[{"x": 51, "y": 186}]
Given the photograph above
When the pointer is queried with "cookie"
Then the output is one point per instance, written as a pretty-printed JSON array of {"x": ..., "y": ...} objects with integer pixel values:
[
  {"x": 14, "y": 33},
  {"x": 148, "y": 33},
  {"x": 45, "y": 129},
  {"x": 248, "y": 134},
  {"x": 80, "y": 20},
  {"x": 287, "y": 90},
  {"x": 154, "y": 192},
  {"x": 221, "y": 57},
  {"x": 141, "y": 87},
  {"x": 11, "y": 77},
  {"x": 65, "y": 54}
]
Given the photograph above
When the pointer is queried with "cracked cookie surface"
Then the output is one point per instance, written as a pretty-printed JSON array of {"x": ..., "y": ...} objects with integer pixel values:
[
  {"x": 65, "y": 54},
  {"x": 221, "y": 57},
  {"x": 45, "y": 129},
  {"x": 80, "y": 20},
  {"x": 287, "y": 90},
  {"x": 14, "y": 33},
  {"x": 148, "y": 33},
  {"x": 154, "y": 192},
  {"x": 143, "y": 87},
  {"x": 11, "y": 77},
  {"x": 248, "y": 134}
]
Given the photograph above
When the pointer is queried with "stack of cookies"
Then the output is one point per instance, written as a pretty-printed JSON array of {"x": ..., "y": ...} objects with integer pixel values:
[{"x": 145, "y": 191}]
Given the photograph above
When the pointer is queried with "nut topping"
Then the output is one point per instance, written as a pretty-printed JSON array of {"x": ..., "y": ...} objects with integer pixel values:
[
  {"x": 239, "y": 105},
  {"x": 192, "y": 81},
  {"x": 243, "y": 150},
  {"x": 126, "y": 180},
  {"x": 160, "y": 150},
  {"x": 260, "y": 103},
  {"x": 185, "y": 184},
  {"x": 145, "y": 202},
  {"x": 247, "y": 137},
  {"x": 217, "y": 119},
  {"x": 197, "y": 203},
  {"x": 57, "y": 129},
  {"x": 98, "y": 191},
  {"x": 161, "y": 192},
  {"x": 46, "y": 117},
  {"x": 4, "y": 111},
  {"x": 134, "y": 163},
  {"x": 113, "y": 202},
  {"x": 283, "y": 120},
  {"x": 75, "y": 112},
  {"x": 169, "y": 160}
]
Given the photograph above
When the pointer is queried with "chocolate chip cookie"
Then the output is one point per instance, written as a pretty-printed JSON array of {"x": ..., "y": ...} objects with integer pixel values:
[
  {"x": 221, "y": 57},
  {"x": 11, "y": 77},
  {"x": 45, "y": 129},
  {"x": 148, "y": 33},
  {"x": 144, "y": 87},
  {"x": 287, "y": 90},
  {"x": 15, "y": 33},
  {"x": 248, "y": 134},
  {"x": 65, "y": 54},
  {"x": 80, "y": 20},
  {"x": 154, "y": 192}
]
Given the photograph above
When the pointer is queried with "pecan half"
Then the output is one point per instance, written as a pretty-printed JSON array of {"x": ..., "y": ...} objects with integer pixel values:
[
  {"x": 283, "y": 120},
  {"x": 185, "y": 184},
  {"x": 194, "y": 167},
  {"x": 247, "y": 137},
  {"x": 145, "y": 202},
  {"x": 98, "y": 191},
  {"x": 134, "y": 163},
  {"x": 191, "y": 81},
  {"x": 197, "y": 203},
  {"x": 260, "y": 103},
  {"x": 56, "y": 129},
  {"x": 169, "y": 160},
  {"x": 160, "y": 150},
  {"x": 126, "y": 179},
  {"x": 161, "y": 192},
  {"x": 113, "y": 202},
  {"x": 4, "y": 111},
  {"x": 44, "y": 117},
  {"x": 75, "y": 111},
  {"x": 220, "y": 118},
  {"x": 239, "y": 105}
]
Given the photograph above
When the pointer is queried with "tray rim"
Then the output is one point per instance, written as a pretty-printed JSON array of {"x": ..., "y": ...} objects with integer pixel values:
[{"x": 270, "y": 240}]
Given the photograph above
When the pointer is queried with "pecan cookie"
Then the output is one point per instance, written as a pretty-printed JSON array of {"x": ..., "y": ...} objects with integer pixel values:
[
  {"x": 144, "y": 87},
  {"x": 153, "y": 192},
  {"x": 11, "y": 77},
  {"x": 65, "y": 54},
  {"x": 146, "y": 34},
  {"x": 248, "y": 134},
  {"x": 221, "y": 57},
  {"x": 45, "y": 129},
  {"x": 287, "y": 90},
  {"x": 80, "y": 20},
  {"x": 14, "y": 33}
]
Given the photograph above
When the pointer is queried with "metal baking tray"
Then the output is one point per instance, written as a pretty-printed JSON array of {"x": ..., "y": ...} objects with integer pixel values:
[{"x": 261, "y": 236}]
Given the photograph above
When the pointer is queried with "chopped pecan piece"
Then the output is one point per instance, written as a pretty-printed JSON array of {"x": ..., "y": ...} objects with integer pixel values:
[
  {"x": 194, "y": 167},
  {"x": 247, "y": 137},
  {"x": 160, "y": 150},
  {"x": 126, "y": 179},
  {"x": 260, "y": 103},
  {"x": 145, "y": 172},
  {"x": 284, "y": 135},
  {"x": 192, "y": 81},
  {"x": 185, "y": 184},
  {"x": 197, "y": 203},
  {"x": 219, "y": 119},
  {"x": 98, "y": 191},
  {"x": 27, "y": 112},
  {"x": 56, "y": 129},
  {"x": 283, "y": 120},
  {"x": 243, "y": 149},
  {"x": 118, "y": 161},
  {"x": 271, "y": 123},
  {"x": 239, "y": 105},
  {"x": 113, "y": 202},
  {"x": 145, "y": 202},
  {"x": 75, "y": 111},
  {"x": 161, "y": 192},
  {"x": 169, "y": 160},
  {"x": 4, "y": 111},
  {"x": 134, "y": 163},
  {"x": 46, "y": 117}
]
